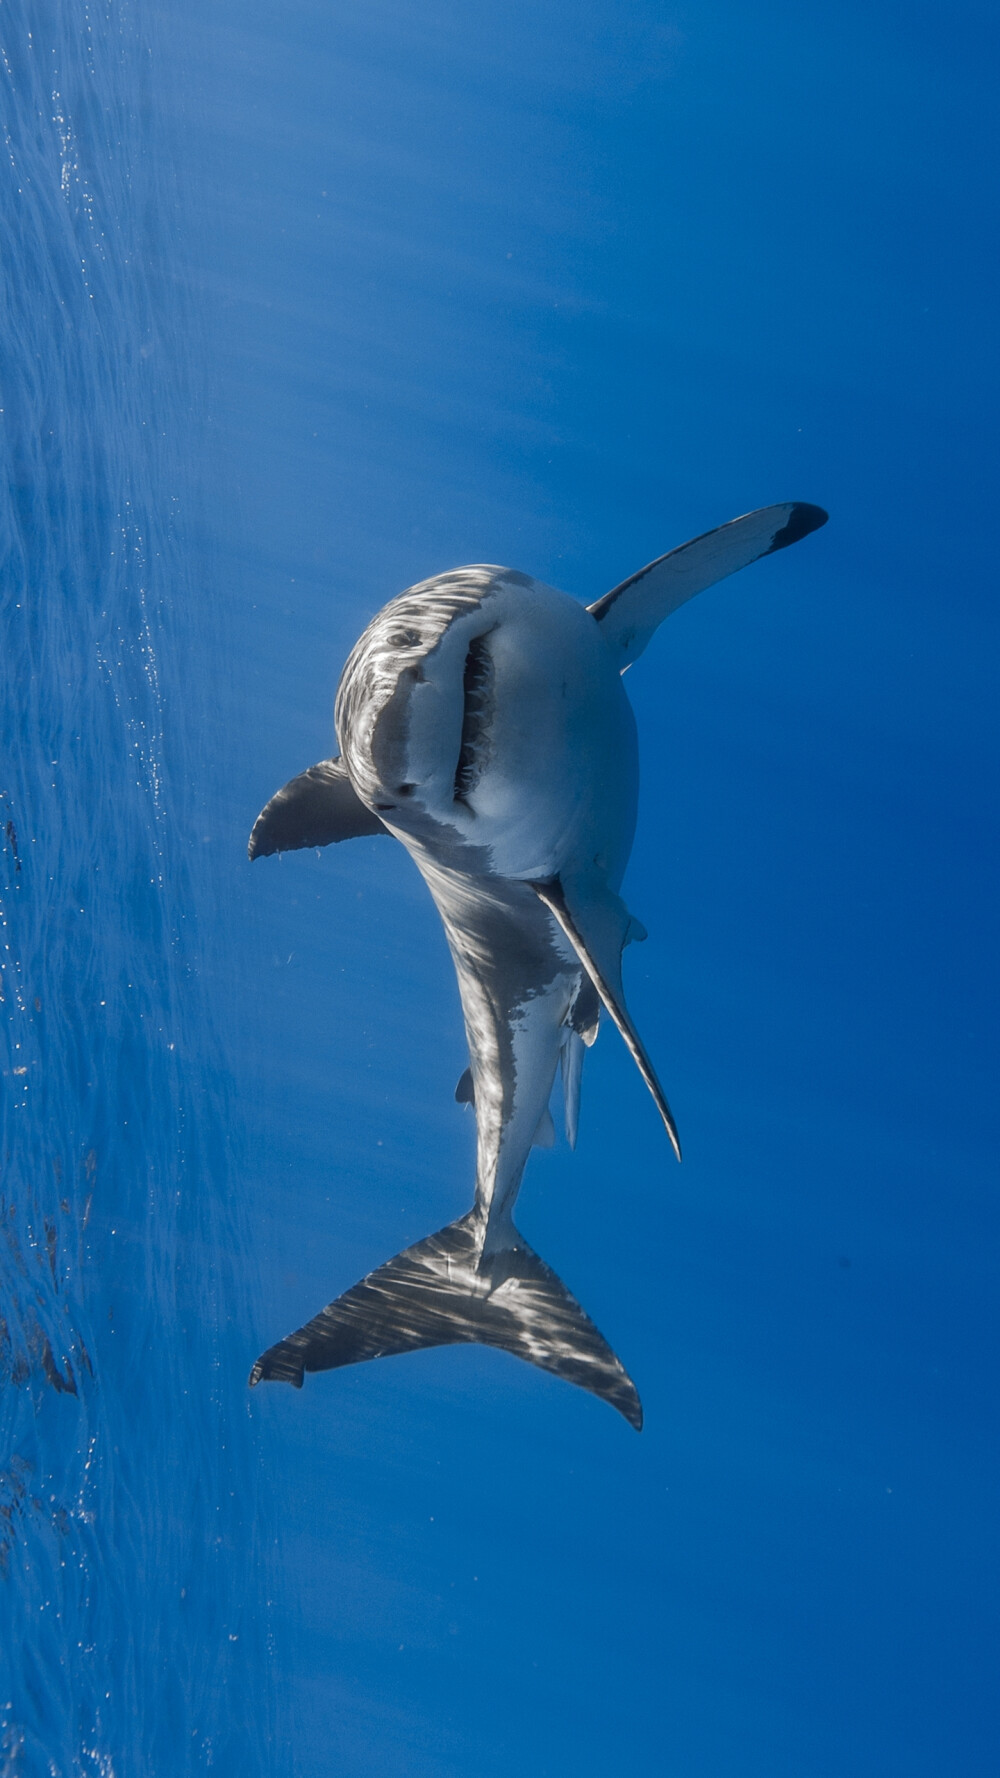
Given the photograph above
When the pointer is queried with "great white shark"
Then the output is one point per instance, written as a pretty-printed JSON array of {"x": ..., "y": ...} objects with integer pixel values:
[{"x": 483, "y": 722}]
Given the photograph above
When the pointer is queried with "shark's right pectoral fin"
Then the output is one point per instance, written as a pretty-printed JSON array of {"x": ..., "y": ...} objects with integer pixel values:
[
  {"x": 443, "y": 1292},
  {"x": 317, "y": 808},
  {"x": 598, "y": 926},
  {"x": 630, "y": 613}
]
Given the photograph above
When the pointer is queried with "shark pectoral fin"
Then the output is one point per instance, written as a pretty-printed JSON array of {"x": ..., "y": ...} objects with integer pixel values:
[
  {"x": 596, "y": 922},
  {"x": 465, "y": 1092},
  {"x": 442, "y": 1292},
  {"x": 630, "y": 613},
  {"x": 317, "y": 808}
]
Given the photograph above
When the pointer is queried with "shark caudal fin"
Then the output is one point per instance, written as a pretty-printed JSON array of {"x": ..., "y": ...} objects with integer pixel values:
[{"x": 443, "y": 1293}]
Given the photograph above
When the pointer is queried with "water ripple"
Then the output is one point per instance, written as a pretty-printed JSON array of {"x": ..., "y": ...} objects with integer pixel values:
[{"x": 133, "y": 1618}]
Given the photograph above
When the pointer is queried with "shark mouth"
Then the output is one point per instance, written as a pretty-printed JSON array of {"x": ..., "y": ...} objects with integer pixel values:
[
  {"x": 395, "y": 653},
  {"x": 477, "y": 693}
]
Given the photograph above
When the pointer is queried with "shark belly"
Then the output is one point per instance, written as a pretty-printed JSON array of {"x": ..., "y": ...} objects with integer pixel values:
[{"x": 518, "y": 980}]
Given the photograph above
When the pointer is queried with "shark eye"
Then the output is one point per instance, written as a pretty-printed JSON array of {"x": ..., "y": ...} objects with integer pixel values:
[
  {"x": 404, "y": 639},
  {"x": 477, "y": 683}
]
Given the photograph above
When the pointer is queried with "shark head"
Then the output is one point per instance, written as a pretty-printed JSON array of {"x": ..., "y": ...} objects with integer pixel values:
[{"x": 482, "y": 716}]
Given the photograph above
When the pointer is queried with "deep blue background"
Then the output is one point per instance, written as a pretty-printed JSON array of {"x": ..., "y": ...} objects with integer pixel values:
[{"x": 555, "y": 286}]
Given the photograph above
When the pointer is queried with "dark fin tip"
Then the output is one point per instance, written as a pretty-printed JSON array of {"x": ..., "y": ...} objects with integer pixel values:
[
  {"x": 802, "y": 519},
  {"x": 278, "y": 1366}
]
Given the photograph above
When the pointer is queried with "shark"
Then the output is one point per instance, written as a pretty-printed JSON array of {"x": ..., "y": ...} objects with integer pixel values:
[{"x": 483, "y": 722}]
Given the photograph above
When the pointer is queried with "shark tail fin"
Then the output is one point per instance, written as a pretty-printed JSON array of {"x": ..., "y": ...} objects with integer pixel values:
[{"x": 444, "y": 1291}]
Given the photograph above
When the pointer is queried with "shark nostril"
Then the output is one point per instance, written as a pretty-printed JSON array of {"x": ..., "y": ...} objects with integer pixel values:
[{"x": 405, "y": 789}]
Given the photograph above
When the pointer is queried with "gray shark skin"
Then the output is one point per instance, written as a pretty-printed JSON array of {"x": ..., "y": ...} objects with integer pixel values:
[{"x": 483, "y": 723}]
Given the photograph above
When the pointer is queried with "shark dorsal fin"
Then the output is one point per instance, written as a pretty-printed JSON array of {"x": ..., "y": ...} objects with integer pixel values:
[
  {"x": 597, "y": 924},
  {"x": 317, "y": 808},
  {"x": 630, "y": 613}
]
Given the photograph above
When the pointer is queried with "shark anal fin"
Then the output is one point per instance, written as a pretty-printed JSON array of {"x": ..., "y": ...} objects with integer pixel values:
[
  {"x": 317, "y": 808},
  {"x": 442, "y": 1292},
  {"x": 630, "y": 613},
  {"x": 597, "y": 926}
]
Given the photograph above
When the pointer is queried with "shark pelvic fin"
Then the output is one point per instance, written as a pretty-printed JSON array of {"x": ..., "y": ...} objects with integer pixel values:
[
  {"x": 317, "y": 808},
  {"x": 598, "y": 926},
  {"x": 630, "y": 613},
  {"x": 571, "y": 1059},
  {"x": 444, "y": 1292}
]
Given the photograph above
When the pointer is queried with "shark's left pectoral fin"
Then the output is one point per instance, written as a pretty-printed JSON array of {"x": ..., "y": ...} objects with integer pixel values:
[
  {"x": 317, "y": 808},
  {"x": 598, "y": 926}
]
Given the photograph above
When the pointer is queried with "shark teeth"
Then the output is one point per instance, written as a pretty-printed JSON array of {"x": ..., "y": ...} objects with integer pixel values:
[{"x": 477, "y": 691}]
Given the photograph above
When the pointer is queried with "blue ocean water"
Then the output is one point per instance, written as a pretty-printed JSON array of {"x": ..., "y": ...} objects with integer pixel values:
[
  {"x": 302, "y": 305},
  {"x": 132, "y": 1591}
]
